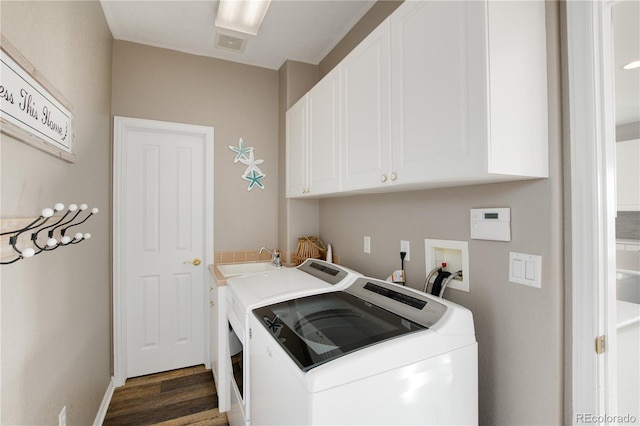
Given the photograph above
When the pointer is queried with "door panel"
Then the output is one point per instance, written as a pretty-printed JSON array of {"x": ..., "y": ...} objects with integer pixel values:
[{"x": 150, "y": 312}]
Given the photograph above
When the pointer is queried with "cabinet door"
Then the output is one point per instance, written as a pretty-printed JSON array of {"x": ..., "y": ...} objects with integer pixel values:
[
  {"x": 366, "y": 112},
  {"x": 324, "y": 135},
  {"x": 438, "y": 70},
  {"x": 296, "y": 155},
  {"x": 628, "y": 175}
]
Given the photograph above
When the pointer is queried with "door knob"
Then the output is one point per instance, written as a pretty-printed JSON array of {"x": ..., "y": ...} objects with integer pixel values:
[{"x": 194, "y": 262}]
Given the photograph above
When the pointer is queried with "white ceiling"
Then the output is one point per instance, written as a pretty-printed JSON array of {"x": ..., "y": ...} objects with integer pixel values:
[{"x": 300, "y": 30}]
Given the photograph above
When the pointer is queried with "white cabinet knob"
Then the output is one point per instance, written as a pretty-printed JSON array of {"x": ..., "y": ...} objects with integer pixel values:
[
  {"x": 394, "y": 176},
  {"x": 383, "y": 178}
]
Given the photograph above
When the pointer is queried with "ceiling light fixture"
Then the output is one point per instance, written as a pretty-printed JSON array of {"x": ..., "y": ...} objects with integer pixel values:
[
  {"x": 632, "y": 65},
  {"x": 243, "y": 16}
]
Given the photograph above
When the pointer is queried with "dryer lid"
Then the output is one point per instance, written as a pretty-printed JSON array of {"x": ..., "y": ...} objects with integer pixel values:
[{"x": 316, "y": 329}]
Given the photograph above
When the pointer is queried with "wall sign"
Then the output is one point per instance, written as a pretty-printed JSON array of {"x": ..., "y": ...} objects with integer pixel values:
[{"x": 30, "y": 108}]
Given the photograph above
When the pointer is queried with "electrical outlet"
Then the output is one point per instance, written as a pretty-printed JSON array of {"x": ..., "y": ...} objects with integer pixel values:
[
  {"x": 405, "y": 247},
  {"x": 367, "y": 244},
  {"x": 62, "y": 417}
]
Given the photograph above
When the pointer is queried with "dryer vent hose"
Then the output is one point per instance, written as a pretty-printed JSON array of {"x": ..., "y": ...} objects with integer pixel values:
[{"x": 442, "y": 279}]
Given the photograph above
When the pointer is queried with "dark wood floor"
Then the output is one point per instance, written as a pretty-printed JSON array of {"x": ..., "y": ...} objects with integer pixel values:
[{"x": 180, "y": 397}]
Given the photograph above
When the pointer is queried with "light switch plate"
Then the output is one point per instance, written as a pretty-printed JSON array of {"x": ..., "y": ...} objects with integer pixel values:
[
  {"x": 525, "y": 269},
  {"x": 367, "y": 244}
]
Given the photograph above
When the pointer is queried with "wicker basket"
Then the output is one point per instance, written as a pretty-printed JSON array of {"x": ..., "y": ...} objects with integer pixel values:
[{"x": 309, "y": 247}]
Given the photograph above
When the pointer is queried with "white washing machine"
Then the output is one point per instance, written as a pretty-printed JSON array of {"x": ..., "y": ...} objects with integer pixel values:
[
  {"x": 373, "y": 353},
  {"x": 249, "y": 291}
]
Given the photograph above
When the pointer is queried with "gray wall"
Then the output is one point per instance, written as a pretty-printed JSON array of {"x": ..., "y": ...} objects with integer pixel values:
[
  {"x": 519, "y": 329},
  {"x": 56, "y": 306},
  {"x": 238, "y": 101}
]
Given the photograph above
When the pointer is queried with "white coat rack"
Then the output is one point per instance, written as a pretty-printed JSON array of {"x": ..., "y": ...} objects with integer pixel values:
[{"x": 46, "y": 236}]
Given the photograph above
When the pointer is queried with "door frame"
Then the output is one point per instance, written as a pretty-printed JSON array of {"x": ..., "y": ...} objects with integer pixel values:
[
  {"x": 121, "y": 125},
  {"x": 591, "y": 387}
]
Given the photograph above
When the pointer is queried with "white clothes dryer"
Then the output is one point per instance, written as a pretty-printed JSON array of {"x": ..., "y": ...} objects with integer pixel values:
[{"x": 372, "y": 353}]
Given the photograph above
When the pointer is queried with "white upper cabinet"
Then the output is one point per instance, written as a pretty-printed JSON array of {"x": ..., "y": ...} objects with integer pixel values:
[
  {"x": 366, "y": 125},
  {"x": 313, "y": 137},
  {"x": 469, "y": 92},
  {"x": 442, "y": 93}
]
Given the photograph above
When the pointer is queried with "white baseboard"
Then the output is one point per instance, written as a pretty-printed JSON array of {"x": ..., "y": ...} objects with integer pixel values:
[{"x": 102, "y": 412}]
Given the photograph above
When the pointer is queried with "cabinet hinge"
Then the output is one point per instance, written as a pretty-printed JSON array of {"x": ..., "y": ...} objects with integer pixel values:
[
  {"x": 601, "y": 344},
  {"x": 250, "y": 333}
]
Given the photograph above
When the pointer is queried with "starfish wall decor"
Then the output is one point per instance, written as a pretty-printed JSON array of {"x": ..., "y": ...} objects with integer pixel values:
[{"x": 252, "y": 174}]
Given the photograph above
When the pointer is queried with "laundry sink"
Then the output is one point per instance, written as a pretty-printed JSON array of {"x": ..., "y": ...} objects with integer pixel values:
[{"x": 234, "y": 269}]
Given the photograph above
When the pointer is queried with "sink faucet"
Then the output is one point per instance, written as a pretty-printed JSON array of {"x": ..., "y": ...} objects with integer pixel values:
[{"x": 275, "y": 256}]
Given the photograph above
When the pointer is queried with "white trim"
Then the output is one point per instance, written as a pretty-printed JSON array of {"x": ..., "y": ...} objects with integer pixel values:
[
  {"x": 119, "y": 260},
  {"x": 106, "y": 400},
  {"x": 609, "y": 210},
  {"x": 209, "y": 241},
  {"x": 592, "y": 206},
  {"x": 119, "y": 253}
]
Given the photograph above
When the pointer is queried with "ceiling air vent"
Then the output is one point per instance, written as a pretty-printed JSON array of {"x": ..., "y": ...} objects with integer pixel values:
[{"x": 230, "y": 42}]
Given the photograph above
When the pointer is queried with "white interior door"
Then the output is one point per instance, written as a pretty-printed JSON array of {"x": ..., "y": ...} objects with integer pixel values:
[{"x": 163, "y": 243}]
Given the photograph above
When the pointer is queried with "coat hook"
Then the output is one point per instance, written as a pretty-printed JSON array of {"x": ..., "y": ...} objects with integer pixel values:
[{"x": 40, "y": 224}]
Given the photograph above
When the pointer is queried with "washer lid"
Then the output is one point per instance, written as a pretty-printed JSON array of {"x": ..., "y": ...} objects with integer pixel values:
[
  {"x": 316, "y": 329},
  {"x": 313, "y": 276}
]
